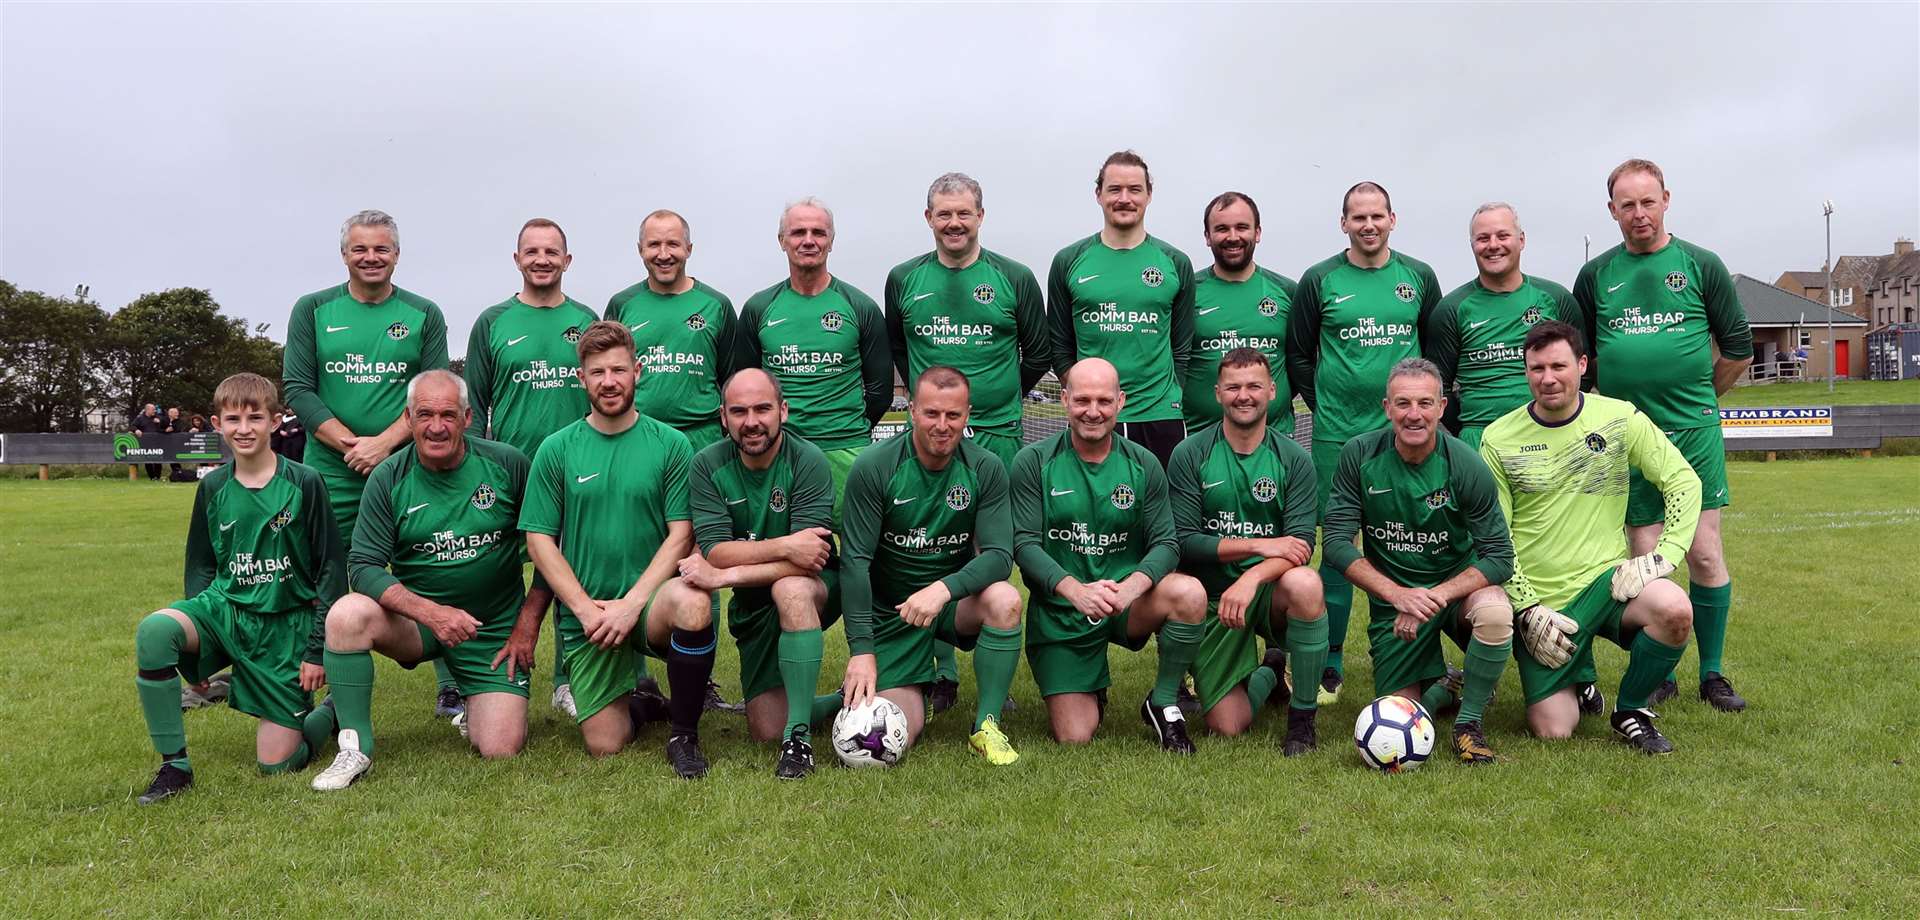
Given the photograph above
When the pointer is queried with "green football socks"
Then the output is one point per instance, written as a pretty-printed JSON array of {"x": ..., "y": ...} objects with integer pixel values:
[
  {"x": 1648, "y": 664},
  {"x": 1307, "y": 651},
  {"x": 1179, "y": 645},
  {"x": 1710, "y": 608},
  {"x": 1437, "y": 696},
  {"x": 1339, "y": 611},
  {"x": 824, "y": 707},
  {"x": 156, "y": 645},
  {"x": 995, "y": 659},
  {"x": 946, "y": 666},
  {"x": 351, "y": 676},
  {"x": 800, "y": 652},
  {"x": 1260, "y": 686},
  {"x": 1484, "y": 665},
  {"x": 444, "y": 675}
]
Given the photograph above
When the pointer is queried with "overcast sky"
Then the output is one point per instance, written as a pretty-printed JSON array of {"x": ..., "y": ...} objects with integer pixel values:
[{"x": 220, "y": 146}]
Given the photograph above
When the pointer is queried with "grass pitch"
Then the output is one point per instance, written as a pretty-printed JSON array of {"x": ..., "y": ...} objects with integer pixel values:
[{"x": 1805, "y": 803}]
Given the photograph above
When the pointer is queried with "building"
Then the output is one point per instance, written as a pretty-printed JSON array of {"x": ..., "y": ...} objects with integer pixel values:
[
  {"x": 1879, "y": 289},
  {"x": 1785, "y": 322}
]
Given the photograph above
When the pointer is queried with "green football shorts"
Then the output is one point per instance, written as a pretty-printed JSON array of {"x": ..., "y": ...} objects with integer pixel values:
[
  {"x": 1002, "y": 444},
  {"x": 903, "y": 654},
  {"x": 1399, "y": 663},
  {"x": 1228, "y": 656},
  {"x": 1077, "y": 665},
  {"x": 840, "y": 463},
  {"x": 1706, "y": 452},
  {"x": 601, "y": 676},
  {"x": 756, "y": 630},
  {"x": 265, "y": 651},
  {"x": 703, "y": 434},
  {"x": 1598, "y": 615},
  {"x": 471, "y": 662}
]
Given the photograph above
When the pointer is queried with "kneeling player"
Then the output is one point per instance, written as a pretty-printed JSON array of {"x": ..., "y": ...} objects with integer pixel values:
[
  {"x": 762, "y": 502},
  {"x": 1436, "y": 553},
  {"x": 1560, "y": 464},
  {"x": 929, "y": 546},
  {"x": 262, "y": 551},
  {"x": 435, "y": 567},
  {"x": 607, "y": 525},
  {"x": 1094, "y": 537},
  {"x": 1244, "y": 505}
]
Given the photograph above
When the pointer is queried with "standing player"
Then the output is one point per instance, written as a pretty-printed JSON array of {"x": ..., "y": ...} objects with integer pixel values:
[
  {"x": 684, "y": 330},
  {"x": 262, "y": 550},
  {"x": 1126, "y": 296},
  {"x": 435, "y": 567},
  {"x": 1561, "y": 465},
  {"x": 1244, "y": 506},
  {"x": 824, "y": 340},
  {"x": 1358, "y": 313},
  {"x": 521, "y": 374},
  {"x": 606, "y": 522},
  {"x": 1436, "y": 554},
  {"x": 762, "y": 503},
  {"x": 1655, "y": 308},
  {"x": 1094, "y": 538},
  {"x": 350, "y": 352},
  {"x": 980, "y": 313},
  {"x": 1236, "y": 304},
  {"x": 929, "y": 545}
]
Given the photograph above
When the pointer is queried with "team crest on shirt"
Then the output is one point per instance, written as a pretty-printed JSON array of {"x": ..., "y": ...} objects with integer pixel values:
[
  {"x": 1596, "y": 443},
  {"x": 983, "y": 295},
  {"x": 1122, "y": 496},
  {"x": 1265, "y": 489},
  {"x": 483, "y": 497},
  {"x": 1531, "y": 316},
  {"x": 1151, "y": 276},
  {"x": 831, "y": 322},
  {"x": 958, "y": 498},
  {"x": 1676, "y": 281},
  {"x": 1438, "y": 499},
  {"x": 281, "y": 520},
  {"x": 1269, "y": 306},
  {"x": 398, "y": 331},
  {"x": 777, "y": 500},
  {"x": 696, "y": 322},
  {"x": 1404, "y": 291},
  {"x": 572, "y": 334}
]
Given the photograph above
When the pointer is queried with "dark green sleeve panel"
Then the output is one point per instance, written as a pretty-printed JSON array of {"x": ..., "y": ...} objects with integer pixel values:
[
  {"x": 1429, "y": 286},
  {"x": 1030, "y": 315},
  {"x": 329, "y": 558},
  {"x": 617, "y": 304},
  {"x": 1440, "y": 335},
  {"x": 300, "y": 367},
  {"x": 746, "y": 338},
  {"x": 712, "y": 525},
  {"x": 862, "y": 513},
  {"x": 1303, "y": 487},
  {"x": 479, "y": 369},
  {"x": 1183, "y": 307},
  {"x": 1473, "y": 488},
  {"x": 373, "y": 530},
  {"x": 992, "y": 527},
  {"x": 1726, "y": 318},
  {"x": 1303, "y": 336},
  {"x": 812, "y": 498},
  {"x": 1060, "y": 308},
  {"x": 876, "y": 355},
  {"x": 896, "y": 328},
  {"x": 725, "y": 350},
  {"x": 1342, "y": 522},
  {"x": 1564, "y": 308},
  {"x": 433, "y": 332},
  {"x": 1197, "y": 546},
  {"x": 201, "y": 565},
  {"x": 1587, "y": 307},
  {"x": 1163, "y": 545},
  {"x": 1037, "y": 569}
]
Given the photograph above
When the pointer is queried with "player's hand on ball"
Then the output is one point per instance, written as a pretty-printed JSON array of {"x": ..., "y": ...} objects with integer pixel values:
[
  {"x": 1235, "y": 600},
  {"x": 1634, "y": 575},
  {"x": 862, "y": 672},
  {"x": 1548, "y": 634},
  {"x": 311, "y": 676},
  {"x": 925, "y": 604},
  {"x": 451, "y": 625},
  {"x": 810, "y": 548}
]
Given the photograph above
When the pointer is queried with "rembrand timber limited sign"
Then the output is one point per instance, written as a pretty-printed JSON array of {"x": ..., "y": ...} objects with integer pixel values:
[
  {"x": 1777, "y": 422},
  {"x": 193, "y": 447}
]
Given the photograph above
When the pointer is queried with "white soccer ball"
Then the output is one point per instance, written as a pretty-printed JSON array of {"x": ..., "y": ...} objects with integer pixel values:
[
  {"x": 872, "y": 734},
  {"x": 1394, "y": 734}
]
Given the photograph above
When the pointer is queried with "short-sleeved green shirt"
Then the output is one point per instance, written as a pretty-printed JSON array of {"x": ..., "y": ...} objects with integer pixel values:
[{"x": 1237, "y": 314}]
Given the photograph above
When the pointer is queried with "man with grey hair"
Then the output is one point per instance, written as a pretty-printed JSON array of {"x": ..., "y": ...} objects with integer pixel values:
[
  {"x": 978, "y": 312},
  {"x": 435, "y": 566},
  {"x": 823, "y": 340},
  {"x": 1474, "y": 333},
  {"x": 1436, "y": 553}
]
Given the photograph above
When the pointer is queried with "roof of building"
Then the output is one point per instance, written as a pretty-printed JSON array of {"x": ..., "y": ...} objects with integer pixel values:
[
  {"x": 1770, "y": 306},
  {"x": 1807, "y": 279}
]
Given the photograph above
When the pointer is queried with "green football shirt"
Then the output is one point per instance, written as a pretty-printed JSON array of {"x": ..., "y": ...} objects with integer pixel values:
[
  {"x": 1237, "y": 314},
  {"x": 521, "y": 371},
  {"x": 1475, "y": 334},
  {"x": 452, "y": 536},
  {"x": 686, "y": 350},
  {"x": 1349, "y": 326},
  {"x": 987, "y": 321},
  {"x": 830, "y": 354},
  {"x": 1133, "y": 307},
  {"x": 908, "y": 526},
  {"x": 1563, "y": 489},
  {"x": 352, "y": 361},
  {"x": 271, "y": 550},
  {"x": 1219, "y": 493},
  {"x": 1091, "y": 521},
  {"x": 731, "y": 502},
  {"x": 1652, "y": 322},
  {"x": 1424, "y": 524},
  {"x": 607, "y": 500}
]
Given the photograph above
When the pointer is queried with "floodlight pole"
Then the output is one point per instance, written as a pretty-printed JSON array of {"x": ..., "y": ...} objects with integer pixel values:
[
  {"x": 1827, "y": 209},
  {"x": 1586, "y": 248}
]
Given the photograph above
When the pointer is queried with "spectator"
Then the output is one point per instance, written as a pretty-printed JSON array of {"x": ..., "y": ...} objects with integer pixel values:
[
  {"x": 149, "y": 421},
  {"x": 176, "y": 425},
  {"x": 290, "y": 438}
]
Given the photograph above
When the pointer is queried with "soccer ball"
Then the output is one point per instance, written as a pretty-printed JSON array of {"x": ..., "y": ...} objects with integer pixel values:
[
  {"x": 1394, "y": 734},
  {"x": 872, "y": 734}
]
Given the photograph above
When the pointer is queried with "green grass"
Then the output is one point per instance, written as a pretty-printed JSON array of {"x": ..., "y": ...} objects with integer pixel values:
[
  {"x": 1845, "y": 393},
  {"x": 1804, "y": 803}
]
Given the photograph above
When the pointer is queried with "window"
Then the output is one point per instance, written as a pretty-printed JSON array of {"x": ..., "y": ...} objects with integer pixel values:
[{"x": 1806, "y": 338}]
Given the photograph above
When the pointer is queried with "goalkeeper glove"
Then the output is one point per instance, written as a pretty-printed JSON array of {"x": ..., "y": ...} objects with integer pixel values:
[
  {"x": 1632, "y": 576},
  {"x": 1547, "y": 634}
]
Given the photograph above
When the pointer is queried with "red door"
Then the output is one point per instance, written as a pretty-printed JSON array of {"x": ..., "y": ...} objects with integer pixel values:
[{"x": 1840, "y": 357}]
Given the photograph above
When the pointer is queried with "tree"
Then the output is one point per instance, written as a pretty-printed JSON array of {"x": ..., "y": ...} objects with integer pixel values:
[
  {"x": 46, "y": 359},
  {"x": 173, "y": 347}
]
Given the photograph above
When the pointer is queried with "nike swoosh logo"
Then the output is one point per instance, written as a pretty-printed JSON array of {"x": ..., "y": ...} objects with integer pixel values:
[
  {"x": 1343, "y": 298},
  {"x": 580, "y": 479},
  {"x": 338, "y": 328},
  {"x": 636, "y": 327},
  {"x": 1478, "y": 324},
  {"x": 1086, "y": 279},
  {"x": 1719, "y": 493},
  {"x": 1208, "y": 485},
  {"x": 920, "y": 297},
  {"x": 517, "y": 341},
  {"x": 902, "y": 501},
  {"x": 775, "y": 322},
  {"x": 229, "y": 525},
  {"x": 1616, "y": 287},
  {"x": 735, "y": 501},
  {"x": 1059, "y": 492},
  {"x": 1373, "y": 491},
  {"x": 418, "y": 507},
  {"x": 1206, "y": 311}
]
